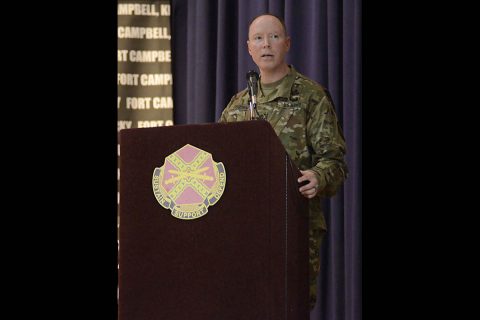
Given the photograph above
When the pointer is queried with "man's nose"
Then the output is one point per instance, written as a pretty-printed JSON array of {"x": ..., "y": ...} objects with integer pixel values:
[{"x": 266, "y": 42}]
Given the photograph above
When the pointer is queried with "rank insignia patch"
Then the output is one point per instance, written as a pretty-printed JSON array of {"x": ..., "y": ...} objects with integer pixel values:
[{"x": 189, "y": 182}]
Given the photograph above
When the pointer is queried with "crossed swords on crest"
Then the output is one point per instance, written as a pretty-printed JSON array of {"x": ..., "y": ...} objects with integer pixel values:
[{"x": 186, "y": 174}]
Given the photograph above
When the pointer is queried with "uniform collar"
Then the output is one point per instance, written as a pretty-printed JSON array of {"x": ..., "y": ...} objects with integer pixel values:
[{"x": 283, "y": 91}]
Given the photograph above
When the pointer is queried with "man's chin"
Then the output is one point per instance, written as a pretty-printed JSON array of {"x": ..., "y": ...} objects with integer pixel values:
[{"x": 267, "y": 65}]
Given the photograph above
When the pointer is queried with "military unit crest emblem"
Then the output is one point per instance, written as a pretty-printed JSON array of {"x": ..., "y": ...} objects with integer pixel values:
[{"x": 189, "y": 182}]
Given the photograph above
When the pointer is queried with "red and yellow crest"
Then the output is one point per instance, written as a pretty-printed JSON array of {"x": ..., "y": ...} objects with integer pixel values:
[{"x": 189, "y": 182}]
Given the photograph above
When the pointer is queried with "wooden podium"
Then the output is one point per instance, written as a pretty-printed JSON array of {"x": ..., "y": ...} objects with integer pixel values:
[{"x": 246, "y": 258}]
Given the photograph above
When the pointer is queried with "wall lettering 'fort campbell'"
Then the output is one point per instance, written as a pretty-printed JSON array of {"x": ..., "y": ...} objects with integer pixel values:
[
  {"x": 144, "y": 56},
  {"x": 135, "y": 79},
  {"x": 145, "y": 103},
  {"x": 144, "y": 60},
  {"x": 143, "y": 33},
  {"x": 142, "y": 9},
  {"x": 128, "y": 124}
]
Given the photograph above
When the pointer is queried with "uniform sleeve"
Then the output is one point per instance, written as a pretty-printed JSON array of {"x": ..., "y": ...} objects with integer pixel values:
[
  {"x": 325, "y": 138},
  {"x": 223, "y": 118}
]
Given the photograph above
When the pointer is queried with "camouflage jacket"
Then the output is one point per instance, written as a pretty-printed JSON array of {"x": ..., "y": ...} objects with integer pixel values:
[{"x": 302, "y": 115}]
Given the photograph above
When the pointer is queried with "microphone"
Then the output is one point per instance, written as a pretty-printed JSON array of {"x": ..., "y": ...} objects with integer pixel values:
[{"x": 252, "y": 83}]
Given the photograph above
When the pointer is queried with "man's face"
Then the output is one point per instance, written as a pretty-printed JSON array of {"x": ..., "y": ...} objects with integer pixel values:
[{"x": 267, "y": 43}]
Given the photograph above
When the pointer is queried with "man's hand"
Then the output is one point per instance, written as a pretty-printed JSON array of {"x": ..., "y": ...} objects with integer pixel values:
[{"x": 309, "y": 190}]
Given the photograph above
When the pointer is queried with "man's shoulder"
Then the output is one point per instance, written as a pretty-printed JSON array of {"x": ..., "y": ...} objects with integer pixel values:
[
  {"x": 309, "y": 85},
  {"x": 311, "y": 90}
]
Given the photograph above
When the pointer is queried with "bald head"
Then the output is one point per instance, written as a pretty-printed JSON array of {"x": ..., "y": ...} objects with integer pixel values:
[{"x": 271, "y": 15}]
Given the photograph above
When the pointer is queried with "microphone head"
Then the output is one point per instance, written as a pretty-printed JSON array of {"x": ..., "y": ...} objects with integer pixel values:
[{"x": 252, "y": 74}]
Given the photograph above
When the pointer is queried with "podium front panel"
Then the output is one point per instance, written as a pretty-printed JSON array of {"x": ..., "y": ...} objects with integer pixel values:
[{"x": 245, "y": 259}]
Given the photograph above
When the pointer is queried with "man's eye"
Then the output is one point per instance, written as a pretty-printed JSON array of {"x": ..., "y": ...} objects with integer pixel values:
[
  {"x": 275, "y": 36},
  {"x": 257, "y": 38}
]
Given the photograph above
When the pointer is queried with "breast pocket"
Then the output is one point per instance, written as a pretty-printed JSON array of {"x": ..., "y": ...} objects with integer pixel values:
[{"x": 286, "y": 117}]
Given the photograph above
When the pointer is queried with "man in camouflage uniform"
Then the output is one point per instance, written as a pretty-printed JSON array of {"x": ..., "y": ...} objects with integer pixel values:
[{"x": 302, "y": 114}]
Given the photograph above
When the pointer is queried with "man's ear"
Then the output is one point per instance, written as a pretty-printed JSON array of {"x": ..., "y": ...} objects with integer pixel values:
[
  {"x": 248, "y": 47},
  {"x": 287, "y": 42}
]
